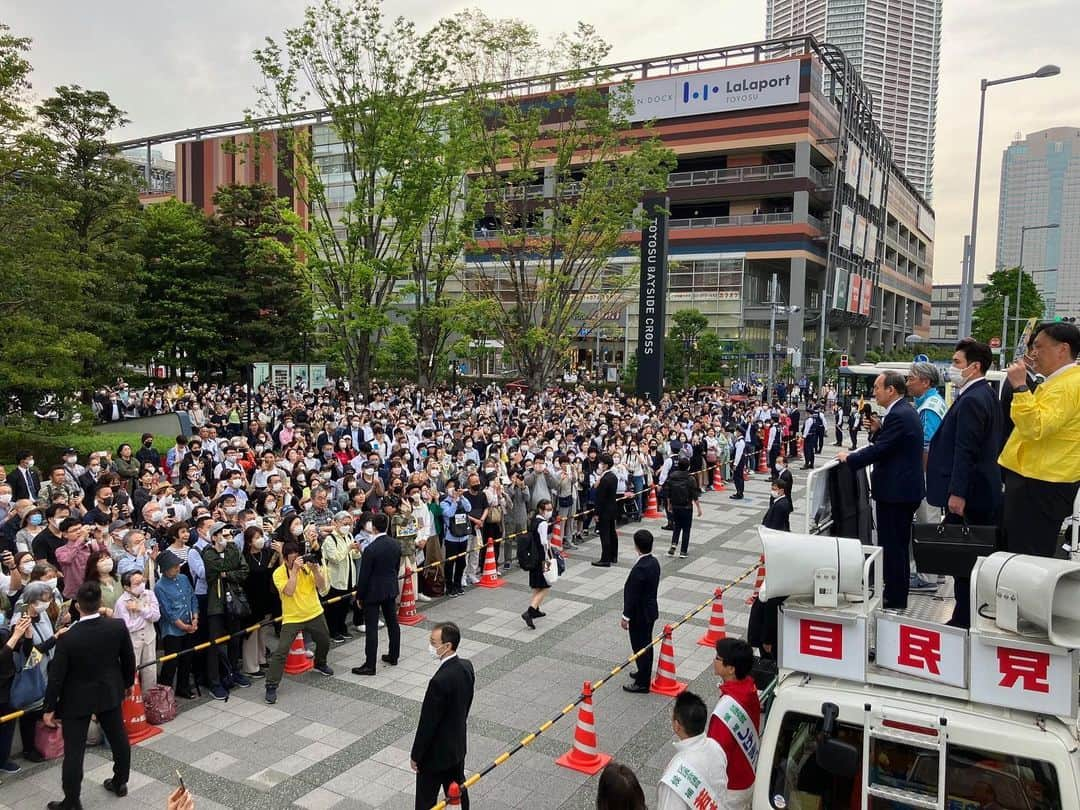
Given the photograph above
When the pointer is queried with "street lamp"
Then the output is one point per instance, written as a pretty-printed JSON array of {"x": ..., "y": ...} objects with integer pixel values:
[
  {"x": 966, "y": 293},
  {"x": 1020, "y": 269}
]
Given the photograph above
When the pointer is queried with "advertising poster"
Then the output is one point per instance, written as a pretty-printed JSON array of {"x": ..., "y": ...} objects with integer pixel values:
[
  {"x": 866, "y": 297},
  {"x": 854, "y": 159},
  {"x": 260, "y": 373},
  {"x": 858, "y": 241},
  {"x": 840, "y": 285},
  {"x": 870, "y": 254},
  {"x": 866, "y": 175},
  {"x": 847, "y": 226},
  {"x": 318, "y": 376},
  {"x": 877, "y": 185},
  {"x": 280, "y": 375},
  {"x": 853, "y": 292}
]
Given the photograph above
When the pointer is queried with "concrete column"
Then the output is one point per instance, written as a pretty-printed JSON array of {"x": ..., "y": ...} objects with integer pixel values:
[
  {"x": 797, "y": 298},
  {"x": 802, "y": 159},
  {"x": 858, "y": 342},
  {"x": 549, "y": 181},
  {"x": 800, "y": 208}
]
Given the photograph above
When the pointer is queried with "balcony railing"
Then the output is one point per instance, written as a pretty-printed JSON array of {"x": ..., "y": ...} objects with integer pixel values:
[{"x": 682, "y": 223}]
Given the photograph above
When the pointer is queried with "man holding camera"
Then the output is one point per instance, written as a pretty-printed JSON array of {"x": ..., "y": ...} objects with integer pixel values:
[{"x": 300, "y": 580}]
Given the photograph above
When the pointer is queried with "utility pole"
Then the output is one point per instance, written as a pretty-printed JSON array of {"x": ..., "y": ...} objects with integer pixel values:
[
  {"x": 772, "y": 302},
  {"x": 1004, "y": 332}
]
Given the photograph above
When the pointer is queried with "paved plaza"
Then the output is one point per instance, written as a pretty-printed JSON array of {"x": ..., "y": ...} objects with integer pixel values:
[{"x": 343, "y": 742}]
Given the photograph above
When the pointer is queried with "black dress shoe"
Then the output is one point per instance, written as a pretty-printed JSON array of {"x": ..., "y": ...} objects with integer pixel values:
[
  {"x": 363, "y": 670},
  {"x": 635, "y": 688},
  {"x": 120, "y": 790},
  {"x": 527, "y": 616},
  {"x": 602, "y": 564},
  {"x": 736, "y": 497},
  {"x": 391, "y": 661},
  {"x": 63, "y": 804}
]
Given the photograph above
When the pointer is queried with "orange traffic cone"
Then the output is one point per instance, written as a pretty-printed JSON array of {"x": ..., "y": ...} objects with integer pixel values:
[
  {"x": 651, "y": 510},
  {"x": 490, "y": 578},
  {"x": 763, "y": 461},
  {"x": 556, "y": 538},
  {"x": 453, "y": 795},
  {"x": 664, "y": 683},
  {"x": 799, "y": 447},
  {"x": 718, "y": 478},
  {"x": 757, "y": 582},
  {"x": 583, "y": 756},
  {"x": 135, "y": 718},
  {"x": 407, "y": 614},
  {"x": 297, "y": 661},
  {"x": 716, "y": 629}
]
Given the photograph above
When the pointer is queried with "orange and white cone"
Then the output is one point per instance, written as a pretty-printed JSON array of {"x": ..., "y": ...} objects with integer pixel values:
[
  {"x": 490, "y": 578},
  {"x": 665, "y": 683},
  {"x": 716, "y": 630},
  {"x": 135, "y": 718},
  {"x": 651, "y": 510},
  {"x": 453, "y": 795},
  {"x": 763, "y": 461},
  {"x": 298, "y": 662},
  {"x": 757, "y": 582},
  {"x": 583, "y": 756},
  {"x": 556, "y": 538},
  {"x": 407, "y": 614},
  {"x": 718, "y": 479}
]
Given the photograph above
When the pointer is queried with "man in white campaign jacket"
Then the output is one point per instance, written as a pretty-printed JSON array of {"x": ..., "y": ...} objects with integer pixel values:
[{"x": 696, "y": 777}]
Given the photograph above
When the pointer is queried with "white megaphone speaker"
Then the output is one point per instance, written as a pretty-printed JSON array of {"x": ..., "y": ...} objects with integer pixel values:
[
  {"x": 810, "y": 565},
  {"x": 1039, "y": 590}
]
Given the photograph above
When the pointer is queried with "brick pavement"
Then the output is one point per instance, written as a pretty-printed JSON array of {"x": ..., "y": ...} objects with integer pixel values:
[{"x": 343, "y": 742}]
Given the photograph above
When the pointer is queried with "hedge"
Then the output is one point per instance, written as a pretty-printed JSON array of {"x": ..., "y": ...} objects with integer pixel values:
[{"x": 48, "y": 447}]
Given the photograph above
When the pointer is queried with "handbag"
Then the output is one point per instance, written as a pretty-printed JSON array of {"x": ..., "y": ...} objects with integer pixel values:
[
  {"x": 951, "y": 548},
  {"x": 236, "y": 602},
  {"x": 28, "y": 686},
  {"x": 560, "y": 561},
  {"x": 551, "y": 574},
  {"x": 49, "y": 742},
  {"x": 159, "y": 702}
]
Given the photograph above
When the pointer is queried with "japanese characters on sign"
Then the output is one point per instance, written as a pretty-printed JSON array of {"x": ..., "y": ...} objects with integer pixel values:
[
  {"x": 1023, "y": 675},
  {"x": 931, "y": 651},
  {"x": 823, "y": 644}
]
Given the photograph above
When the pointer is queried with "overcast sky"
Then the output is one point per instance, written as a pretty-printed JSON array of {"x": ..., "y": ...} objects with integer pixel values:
[{"x": 174, "y": 66}]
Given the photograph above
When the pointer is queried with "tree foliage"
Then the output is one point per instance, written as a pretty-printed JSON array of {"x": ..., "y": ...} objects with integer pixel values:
[
  {"x": 987, "y": 319},
  {"x": 555, "y": 183}
]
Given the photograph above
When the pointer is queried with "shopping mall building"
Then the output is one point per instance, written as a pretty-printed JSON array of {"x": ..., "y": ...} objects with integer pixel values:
[{"x": 782, "y": 171}]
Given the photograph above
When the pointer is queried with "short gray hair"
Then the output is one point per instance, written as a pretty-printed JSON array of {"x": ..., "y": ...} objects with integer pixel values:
[{"x": 928, "y": 372}]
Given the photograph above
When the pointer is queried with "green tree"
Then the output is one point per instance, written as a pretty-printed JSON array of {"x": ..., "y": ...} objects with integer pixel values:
[
  {"x": 376, "y": 79},
  {"x": 686, "y": 327},
  {"x": 555, "y": 183},
  {"x": 987, "y": 318},
  {"x": 181, "y": 277},
  {"x": 254, "y": 233},
  {"x": 46, "y": 341},
  {"x": 103, "y": 216}
]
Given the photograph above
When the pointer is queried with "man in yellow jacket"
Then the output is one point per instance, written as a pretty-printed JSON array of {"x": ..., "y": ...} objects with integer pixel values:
[{"x": 1041, "y": 459}]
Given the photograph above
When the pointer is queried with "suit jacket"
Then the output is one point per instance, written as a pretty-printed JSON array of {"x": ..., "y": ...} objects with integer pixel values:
[
  {"x": 896, "y": 453},
  {"x": 19, "y": 490},
  {"x": 778, "y": 516},
  {"x": 94, "y": 664},
  {"x": 377, "y": 580},
  {"x": 606, "y": 491},
  {"x": 440, "y": 741},
  {"x": 963, "y": 453},
  {"x": 639, "y": 592}
]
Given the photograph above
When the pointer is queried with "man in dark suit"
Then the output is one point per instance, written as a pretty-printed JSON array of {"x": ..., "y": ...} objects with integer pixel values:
[
  {"x": 92, "y": 671},
  {"x": 438, "y": 750},
  {"x": 962, "y": 473},
  {"x": 896, "y": 484},
  {"x": 25, "y": 483},
  {"x": 606, "y": 508},
  {"x": 640, "y": 610},
  {"x": 377, "y": 590}
]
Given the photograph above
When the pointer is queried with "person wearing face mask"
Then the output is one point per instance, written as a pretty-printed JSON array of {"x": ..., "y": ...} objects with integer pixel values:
[
  {"x": 377, "y": 588},
  {"x": 437, "y": 756},
  {"x": 234, "y": 486},
  {"x": 340, "y": 553},
  {"x": 538, "y": 554},
  {"x": 138, "y": 608},
  {"x": 606, "y": 512},
  {"x": 32, "y": 524},
  {"x": 226, "y": 570},
  {"x": 179, "y": 623},
  {"x": 73, "y": 555},
  {"x": 100, "y": 568},
  {"x": 24, "y": 480},
  {"x": 38, "y": 602},
  {"x": 262, "y": 556},
  {"x": 699, "y": 760}
]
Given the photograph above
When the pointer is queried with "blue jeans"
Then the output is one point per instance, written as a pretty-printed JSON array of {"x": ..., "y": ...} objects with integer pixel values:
[
  {"x": 682, "y": 518},
  {"x": 639, "y": 485}
]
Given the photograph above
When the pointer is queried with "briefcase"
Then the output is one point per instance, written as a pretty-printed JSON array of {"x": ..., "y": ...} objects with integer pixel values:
[{"x": 951, "y": 548}]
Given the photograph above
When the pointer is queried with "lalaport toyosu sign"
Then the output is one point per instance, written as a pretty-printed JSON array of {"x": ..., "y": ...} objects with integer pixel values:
[{"x": 714, "y": 91}]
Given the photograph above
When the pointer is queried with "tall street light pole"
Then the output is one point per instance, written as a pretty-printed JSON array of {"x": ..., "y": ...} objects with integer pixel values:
[
  {"x": 966, "y": 293},
  {"x": 1020, "y": 269}
]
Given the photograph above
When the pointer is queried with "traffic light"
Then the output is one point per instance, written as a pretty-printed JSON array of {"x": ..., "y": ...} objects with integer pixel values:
[
  {"x": 1067, "y": 319},
  {"x": 843, "y": 361}
]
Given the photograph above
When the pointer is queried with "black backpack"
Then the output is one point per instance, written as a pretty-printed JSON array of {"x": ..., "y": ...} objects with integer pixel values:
[
  {"x": 459, "y": 522},
  {"x": 526, "y": 548},
  {"x": 678, "y": 488}
]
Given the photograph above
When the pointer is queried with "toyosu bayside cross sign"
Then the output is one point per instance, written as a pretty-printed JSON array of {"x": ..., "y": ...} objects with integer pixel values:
[
  {"x": 652, "y": 300},
  {"x": 716, "y": 91}
]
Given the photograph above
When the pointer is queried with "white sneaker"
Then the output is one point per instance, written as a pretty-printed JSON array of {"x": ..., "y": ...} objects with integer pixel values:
[
  {"x": 309, "y": 653},
  {"x": 359, "y": 628},
  {"x": 382, "y": 623},
  {"x": 423, "y": 597}
]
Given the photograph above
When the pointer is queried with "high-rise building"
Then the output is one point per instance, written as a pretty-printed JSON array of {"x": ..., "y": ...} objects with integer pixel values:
[
  {"x": 945, "y": 310},
  {"x": 896, "y": 46},
  {"x": 1040, "y": 185}
]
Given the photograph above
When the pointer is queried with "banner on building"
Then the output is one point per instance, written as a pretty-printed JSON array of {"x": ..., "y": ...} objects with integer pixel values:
[
  {"x": 847, "y": 226},
  {"x": 854, "y": 290},
  {"x": 877, "y": 185},
  {"x": 858, "y": 240},
  {"x": 866, "y": 176},
  {"x": 840, "y": 285},
  {"x": 851, "y": 170},
  {"x": 866, "y": 297},
  {"x": 870, "y": 254},
  {"x": 653, "y": 289}
]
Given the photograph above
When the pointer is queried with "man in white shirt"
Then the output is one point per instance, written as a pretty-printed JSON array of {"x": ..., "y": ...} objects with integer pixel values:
[{"x": 696, "y": 777}]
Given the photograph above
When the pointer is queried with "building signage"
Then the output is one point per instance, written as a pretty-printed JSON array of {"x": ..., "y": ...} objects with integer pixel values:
[
  {"x": 931, "y": 651},
  {"x": 823, "y": 644},
  {"x": 738, "y": 88},
  {"x": 877, "y": 185},
  {"x": 870, "y": 254},
  {"x": 853, "y": 293},
  {"x": 866, "y": 177},
  {"x": 653, "y": 291},
  {"x": 851, "y": 168},
  {"x": 840, "y": 289},
  {"x": 1023, "y": 675},
  {"x": 866, "y": 297},
  {"x": 858, "y": 239},
  {"x": 847, "y": 226}
]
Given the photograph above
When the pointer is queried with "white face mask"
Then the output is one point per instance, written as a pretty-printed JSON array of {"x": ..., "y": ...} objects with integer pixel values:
[
  {"x": 105, "y": 566},
  {"x": 5, "y": 499},
  {"x": 276, "y": 488},
  {"x": 956, "y": 376},
  {"x": 137, "y": 590},
  {"x": 259, "y": 543},
  {"x": 433, "y": 651},
  {"x": 26, "y": 568},
  {"x": 41, "y": 607},
  {"x": 546, "y": 514},
  {"x": 296, "y": 530},
  {"x": 50, "y": 582}
]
